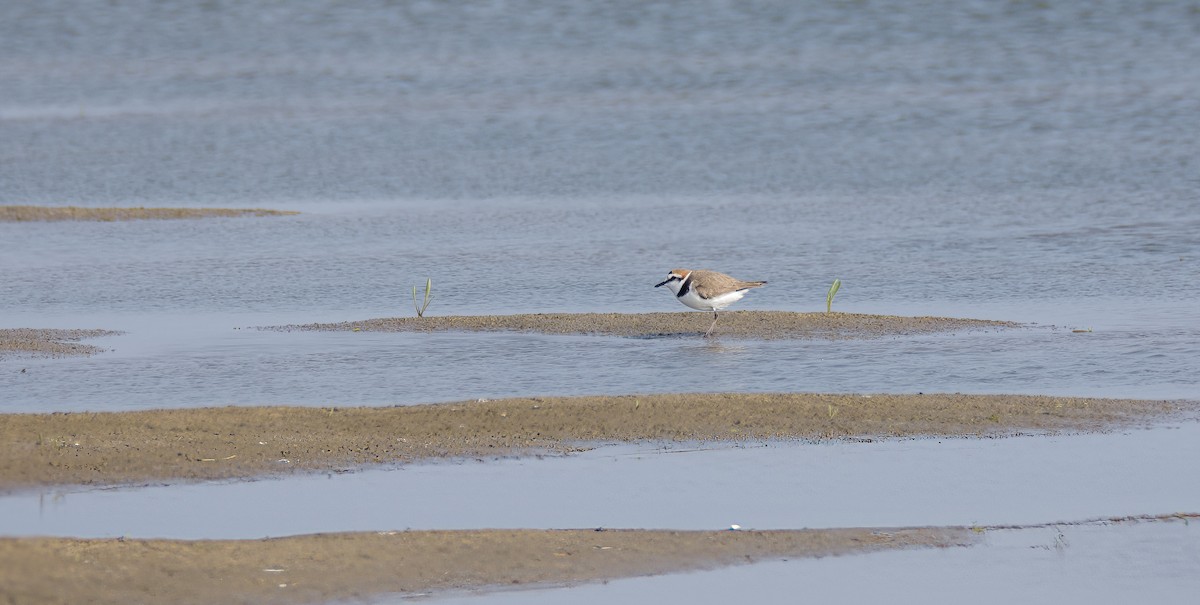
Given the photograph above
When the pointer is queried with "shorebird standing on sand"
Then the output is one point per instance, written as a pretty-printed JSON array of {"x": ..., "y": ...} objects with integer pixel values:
[{"x": 707, "y": 290}]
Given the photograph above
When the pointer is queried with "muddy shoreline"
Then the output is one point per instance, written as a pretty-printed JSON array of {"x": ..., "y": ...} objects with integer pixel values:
[{"x": 119, "y": 448}]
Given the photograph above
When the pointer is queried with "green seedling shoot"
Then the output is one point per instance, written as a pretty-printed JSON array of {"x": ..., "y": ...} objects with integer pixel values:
[
  {"x": 420, "y": 307},
  {"x": 837, "y": 283}
]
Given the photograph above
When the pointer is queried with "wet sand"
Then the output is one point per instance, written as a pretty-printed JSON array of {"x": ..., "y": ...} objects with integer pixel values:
[
  {"x": 357, "y": 566},
  {"x": 76, "y": 213},
  {"x": 351, "y": 566},
  {"x": 116, "y": 448},
  {"x": 738, "y": 324},
  {"x": 48, "y": 343}
]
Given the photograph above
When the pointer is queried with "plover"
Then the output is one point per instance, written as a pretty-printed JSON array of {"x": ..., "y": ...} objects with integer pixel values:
[{"x": 707, "y": 290}]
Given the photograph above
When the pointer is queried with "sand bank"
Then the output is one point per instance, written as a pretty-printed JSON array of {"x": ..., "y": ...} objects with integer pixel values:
[
  {"x": 328, "y": 567},
  {"x": 348, "y": 567},
  {"x": 229, "y": 442},
  {"x": 738, "y": 324}
]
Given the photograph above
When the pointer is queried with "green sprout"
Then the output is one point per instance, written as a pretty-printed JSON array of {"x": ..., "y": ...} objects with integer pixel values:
[
  {"x": 428, "y": 297},
  {"x": 837, "y": 283}
]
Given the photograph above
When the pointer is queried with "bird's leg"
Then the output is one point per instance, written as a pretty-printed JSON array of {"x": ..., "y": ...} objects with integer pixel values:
[{"x": 714, "y": 324}]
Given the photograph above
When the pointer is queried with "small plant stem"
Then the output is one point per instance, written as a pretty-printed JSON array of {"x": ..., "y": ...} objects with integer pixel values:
[
  {"x": 837, "y": 283},
  {"x": 420, "y": 308}
]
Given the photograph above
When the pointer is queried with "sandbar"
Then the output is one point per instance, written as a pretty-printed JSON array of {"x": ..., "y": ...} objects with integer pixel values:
[
  {"x": 737, "y": 324},
  {"x": 39, "y": 342},
  {"x": 122, "y": 448},
  {"x": 361, "y": 566},
  {"x": 344, "y": 567}
]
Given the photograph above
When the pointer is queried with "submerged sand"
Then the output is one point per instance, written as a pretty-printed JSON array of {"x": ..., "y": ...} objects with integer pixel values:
[
  {"x": 77, "y": 213},
  {"x": 216, "y": 443},
  {"x": 37, "y": 342},
  {"x": 739, "y": 324}
]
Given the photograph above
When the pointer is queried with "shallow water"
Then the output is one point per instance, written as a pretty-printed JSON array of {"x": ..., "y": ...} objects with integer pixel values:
[
  {"x": 177, "y": 360},
  {"x": 1019, "y": 480},
  {"x": 188, "y": 293}
]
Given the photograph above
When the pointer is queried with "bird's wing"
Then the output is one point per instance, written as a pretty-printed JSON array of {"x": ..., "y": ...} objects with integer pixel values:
[{"x": 710, "y": 283}]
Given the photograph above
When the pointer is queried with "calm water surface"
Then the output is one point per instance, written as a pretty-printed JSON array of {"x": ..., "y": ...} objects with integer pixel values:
[{"x": 779, "y": 485}]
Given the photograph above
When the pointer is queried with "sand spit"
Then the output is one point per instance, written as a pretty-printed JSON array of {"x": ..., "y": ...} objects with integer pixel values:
[
  {"x": 738, "y": 324},
  {"x": 349, "y": 567},
  {"x": 352, "y": 566},
  {"x": 76, "y": 213},
  {"x": 114, "y": 448},
  {"x": 37, "y": 342}
]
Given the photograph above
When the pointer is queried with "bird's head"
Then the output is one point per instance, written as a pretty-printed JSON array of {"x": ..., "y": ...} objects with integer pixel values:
[{"x": 674, "y": 279}]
